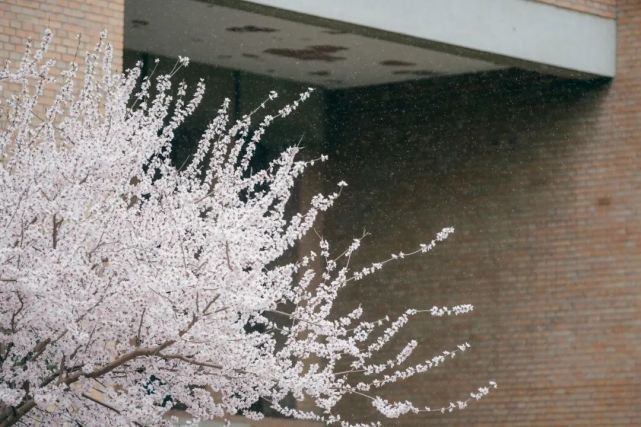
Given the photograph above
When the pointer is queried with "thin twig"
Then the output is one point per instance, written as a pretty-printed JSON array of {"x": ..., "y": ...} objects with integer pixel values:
[
  {"x": 142, "y": 316},
  {"x": 106, "y": 405},
  {"x": 228, "y": 256},
  {"x": 16, "y": 313},
  {"x": 54, "y": 233}
]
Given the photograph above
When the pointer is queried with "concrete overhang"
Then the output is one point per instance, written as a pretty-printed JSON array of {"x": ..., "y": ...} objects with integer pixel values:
[
  {"x": 521, "y": 32},
  {"x": 348, "y": 43}
]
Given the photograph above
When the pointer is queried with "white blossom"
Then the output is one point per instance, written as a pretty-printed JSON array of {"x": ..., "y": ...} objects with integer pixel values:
[
  {"x": 129, "y": 285},
  {"x": 183, "y": 60}
]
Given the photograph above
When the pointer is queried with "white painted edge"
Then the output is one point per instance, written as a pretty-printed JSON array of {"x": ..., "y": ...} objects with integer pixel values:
[{"x": 507, "y": 30}]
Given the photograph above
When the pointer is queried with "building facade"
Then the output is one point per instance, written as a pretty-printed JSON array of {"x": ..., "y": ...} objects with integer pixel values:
[{"x": 524, "y": 134}]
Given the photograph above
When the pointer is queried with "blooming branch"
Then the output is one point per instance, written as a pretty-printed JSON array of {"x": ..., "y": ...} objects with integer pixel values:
[{"x": 130, "y": 285}]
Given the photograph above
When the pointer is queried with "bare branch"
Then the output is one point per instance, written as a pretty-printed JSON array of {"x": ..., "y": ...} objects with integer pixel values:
[
  {"x": 228, "y": 256},
  {"x": 17, "y": 312},
  {"x": 54, "y": 233},
  {"x": 105, "y": 405},
  {"x": 142, "y": 316}
]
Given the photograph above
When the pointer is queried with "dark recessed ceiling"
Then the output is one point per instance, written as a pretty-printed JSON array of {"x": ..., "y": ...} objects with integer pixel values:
[{"x": 320, "y": 56}]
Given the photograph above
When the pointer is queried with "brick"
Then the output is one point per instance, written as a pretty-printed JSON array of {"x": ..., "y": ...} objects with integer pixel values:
[
  {"x": 66, "y": 19},
  {"x": 541, "y": 177},
  {"x": 604, "y": 8}
]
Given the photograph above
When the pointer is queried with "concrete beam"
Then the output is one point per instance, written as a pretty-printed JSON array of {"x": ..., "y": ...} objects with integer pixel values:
[{"x": 522, "y": 33}]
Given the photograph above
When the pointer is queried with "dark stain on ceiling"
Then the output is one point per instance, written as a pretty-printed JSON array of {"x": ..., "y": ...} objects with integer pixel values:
[
  {"x": 322, "y": 53},
  {"x": 335, "y": 32},
  {"x": 419, "y": 73},
  {"x": 252, "y": 29},
  {"x": 137, "y": 23},
  {"x": 396, "y": 63}
]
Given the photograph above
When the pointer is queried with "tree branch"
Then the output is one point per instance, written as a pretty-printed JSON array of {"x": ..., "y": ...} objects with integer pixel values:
[
  {"x": 228, "y": 256},
  {"x": 188, "y": 360},
  {"x": 54, "y": 233},
  {"x": 12, "y": 414},
  {"x": 142, "y": 316},
  {"x": 106, "y": 405},
  {"x": 16, "y": 313}
]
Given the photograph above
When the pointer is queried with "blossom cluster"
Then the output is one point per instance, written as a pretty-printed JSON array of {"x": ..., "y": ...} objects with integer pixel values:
[{"x": 130, "y": 286}]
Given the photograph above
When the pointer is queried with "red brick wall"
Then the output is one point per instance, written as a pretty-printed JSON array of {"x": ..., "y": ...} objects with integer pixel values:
[
  {"x": 605, "y": 8},
  {"x": 542, "y": 178},
  {"x": 23, "y": 19}
]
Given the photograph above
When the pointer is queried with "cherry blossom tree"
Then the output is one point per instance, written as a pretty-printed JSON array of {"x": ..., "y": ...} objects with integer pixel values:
[{"x": 130, "y": 286}]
